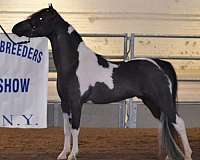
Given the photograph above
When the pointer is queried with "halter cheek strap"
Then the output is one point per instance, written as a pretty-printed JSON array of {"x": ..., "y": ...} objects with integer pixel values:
[{"x": 22, "y": 42}]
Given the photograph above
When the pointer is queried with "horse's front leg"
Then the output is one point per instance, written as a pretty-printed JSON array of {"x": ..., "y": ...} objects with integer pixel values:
[
  {"x": 67, "y": 137},
  {"x": 76, "y": 115}
]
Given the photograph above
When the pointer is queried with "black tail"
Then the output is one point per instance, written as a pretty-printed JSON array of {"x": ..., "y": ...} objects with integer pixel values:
[{"x": 168, "y": 144}]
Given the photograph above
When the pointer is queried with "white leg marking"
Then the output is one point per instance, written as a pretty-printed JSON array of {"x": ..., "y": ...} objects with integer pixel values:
[
  {"x": 180, "y": 128},
  {"x": 74, "y": 152},
  {"x": 67, "y": 137}
]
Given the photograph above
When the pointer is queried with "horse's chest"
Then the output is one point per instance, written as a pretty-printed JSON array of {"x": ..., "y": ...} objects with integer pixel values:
[{"x": 89, "y": 72}]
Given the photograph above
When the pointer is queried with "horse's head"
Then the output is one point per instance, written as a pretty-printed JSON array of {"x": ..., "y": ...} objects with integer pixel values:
[{"x": 39, "y": 24}]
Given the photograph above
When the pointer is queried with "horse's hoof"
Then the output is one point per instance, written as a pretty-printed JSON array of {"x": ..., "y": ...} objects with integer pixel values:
[
  {"x": 72, "y": 157},
  {"x": 62, "y": 155}
]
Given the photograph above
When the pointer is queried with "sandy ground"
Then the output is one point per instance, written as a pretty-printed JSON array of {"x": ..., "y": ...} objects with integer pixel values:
[{"x": 104, "y": 144}]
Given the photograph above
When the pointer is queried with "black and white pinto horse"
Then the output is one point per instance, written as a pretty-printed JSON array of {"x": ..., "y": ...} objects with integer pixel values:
[{"x": 83, "y": 75}]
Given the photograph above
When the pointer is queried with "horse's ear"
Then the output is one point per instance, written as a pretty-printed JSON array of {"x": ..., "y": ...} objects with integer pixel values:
[{"x": 50, "y": 6}]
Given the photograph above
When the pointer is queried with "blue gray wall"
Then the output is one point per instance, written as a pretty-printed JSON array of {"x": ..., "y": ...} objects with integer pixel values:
[{"x": 109, "y": 116}]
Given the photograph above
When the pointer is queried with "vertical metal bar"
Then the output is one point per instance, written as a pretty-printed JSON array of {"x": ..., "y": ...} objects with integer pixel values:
[
  {"x": 122, "y": 114},
  {"x": 132, "y": 114},
  {"x": 122, "y": 106},
  {"x": 126, "y": 102},
  {"x": 125, "y": 47},
  {"x": 132, "y": 46},
  {"x": 131, "y": 107}
]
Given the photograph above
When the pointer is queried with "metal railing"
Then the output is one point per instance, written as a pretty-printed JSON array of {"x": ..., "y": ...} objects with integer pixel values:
[
  {"x": 164, "y": 36},
  {"x": 128, "y": 108},
  {"x": 129, "y": 47},
  {"x": 131, "y": 109},
  {"x": 95, "y": 35},
  {"x": 134, "y": 36}
]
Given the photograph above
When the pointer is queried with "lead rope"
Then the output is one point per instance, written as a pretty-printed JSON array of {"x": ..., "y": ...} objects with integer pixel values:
[{"x": 22, "y": 42}]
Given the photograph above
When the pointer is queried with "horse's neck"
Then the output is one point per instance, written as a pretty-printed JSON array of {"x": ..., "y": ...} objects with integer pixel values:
[
  {"x": 69, "y": 50},
  {"x": 64, "y": 55}
]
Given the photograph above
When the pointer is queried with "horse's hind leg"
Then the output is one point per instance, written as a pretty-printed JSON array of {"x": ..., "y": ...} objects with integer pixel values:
[
  {"x": 180, "y": 128},
  {"x": 152, "y": 107}
]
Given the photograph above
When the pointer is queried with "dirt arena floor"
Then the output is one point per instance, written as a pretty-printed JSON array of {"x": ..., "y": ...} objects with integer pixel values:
[{"x": 95, "y": 144}]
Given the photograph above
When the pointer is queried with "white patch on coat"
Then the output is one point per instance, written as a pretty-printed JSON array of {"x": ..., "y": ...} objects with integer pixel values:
[
  {"x": 67, "y": 137},
  {"x": 70, "y": 29},
  {"x": 89, "y": 71}
]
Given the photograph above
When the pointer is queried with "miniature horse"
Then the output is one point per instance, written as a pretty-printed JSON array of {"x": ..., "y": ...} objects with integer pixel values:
[{"x": 83, "y": 75}]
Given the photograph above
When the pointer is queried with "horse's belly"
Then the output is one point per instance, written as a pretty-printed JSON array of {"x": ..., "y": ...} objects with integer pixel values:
[{"x": 101, "y": 93}]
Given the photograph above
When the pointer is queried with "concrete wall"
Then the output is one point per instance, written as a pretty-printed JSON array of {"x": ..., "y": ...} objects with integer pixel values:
[
  {"x": 108, "y": 116},
  {"x": 189, "y": 112},
  {"x": 93, "y": 116}
]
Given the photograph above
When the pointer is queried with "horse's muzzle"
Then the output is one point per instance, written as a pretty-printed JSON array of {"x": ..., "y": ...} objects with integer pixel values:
[{"x": 22, "y": 29}]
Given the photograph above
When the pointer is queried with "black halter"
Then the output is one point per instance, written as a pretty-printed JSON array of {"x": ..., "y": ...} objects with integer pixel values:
[{"x": 22, "y": 42}]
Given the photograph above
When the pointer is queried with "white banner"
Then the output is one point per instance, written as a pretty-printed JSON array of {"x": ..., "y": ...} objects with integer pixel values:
[{"x": 23, "y": 83}]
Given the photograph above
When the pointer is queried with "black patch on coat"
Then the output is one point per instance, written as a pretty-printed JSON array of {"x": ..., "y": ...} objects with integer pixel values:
[
  {"x": 101, "y": 61},
  {"x": 76, "y": 39}
]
